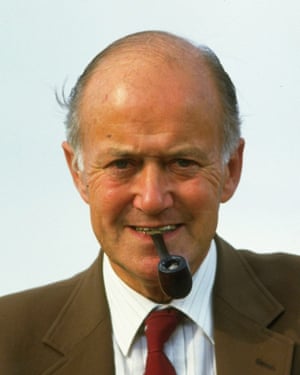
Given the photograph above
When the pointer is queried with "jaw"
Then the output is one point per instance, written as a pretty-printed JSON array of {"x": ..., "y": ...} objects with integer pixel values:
[{"x": 149, "y": 287}]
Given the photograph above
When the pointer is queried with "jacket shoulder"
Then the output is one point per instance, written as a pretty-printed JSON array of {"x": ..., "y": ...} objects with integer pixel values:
[
  {"x": 26, "y": 316},
  {"x": 278, "y": 271},
  {"x": 280, "y": 274},
  {"x": 36, "y": 304}
]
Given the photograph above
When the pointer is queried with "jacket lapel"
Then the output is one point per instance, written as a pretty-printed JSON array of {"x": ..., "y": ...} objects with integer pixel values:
[
  {"x": 81, "y": 334},
  {"x": 243, "y": 310}
]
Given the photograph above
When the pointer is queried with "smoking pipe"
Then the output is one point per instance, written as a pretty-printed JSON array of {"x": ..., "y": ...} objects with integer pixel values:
[{"x": 174, "y": 274}]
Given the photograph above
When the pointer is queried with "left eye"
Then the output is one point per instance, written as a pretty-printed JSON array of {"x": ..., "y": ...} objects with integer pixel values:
[
  {"x": 183, "y": 163},
  {"x": 184, "y": 167}
]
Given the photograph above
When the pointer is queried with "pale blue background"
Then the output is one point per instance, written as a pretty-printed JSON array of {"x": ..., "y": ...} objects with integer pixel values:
[{"x": 45, "y": 231}]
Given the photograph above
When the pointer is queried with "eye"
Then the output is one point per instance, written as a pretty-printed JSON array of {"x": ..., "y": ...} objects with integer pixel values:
[
  {"x": 122, "y": 168},
  {"x": 184, "y": 167},
  {"x": 121, "y": 163},
  {"x": 184, "y": 163}
]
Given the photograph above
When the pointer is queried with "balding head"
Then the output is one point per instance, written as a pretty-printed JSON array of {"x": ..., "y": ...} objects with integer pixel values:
[{"x": 155, "y": 49}]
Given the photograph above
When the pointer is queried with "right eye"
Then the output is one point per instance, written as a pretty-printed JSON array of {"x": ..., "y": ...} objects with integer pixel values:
[{"x": 122, "y": 168}]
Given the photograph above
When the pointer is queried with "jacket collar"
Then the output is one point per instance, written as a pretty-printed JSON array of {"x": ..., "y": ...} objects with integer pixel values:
[
  {"x": 243, "y": 310},
  {"x": 81, "y": 328}
]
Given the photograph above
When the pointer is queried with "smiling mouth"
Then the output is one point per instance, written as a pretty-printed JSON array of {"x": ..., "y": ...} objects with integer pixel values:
[{"x": 156, "y": 230}]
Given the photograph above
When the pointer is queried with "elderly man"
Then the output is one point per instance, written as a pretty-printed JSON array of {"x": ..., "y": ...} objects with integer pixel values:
[{"x": 154, "y": 147}]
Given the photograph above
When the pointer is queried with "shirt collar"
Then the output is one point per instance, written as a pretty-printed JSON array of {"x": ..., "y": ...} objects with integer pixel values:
[{"x": 129, "y": 308}]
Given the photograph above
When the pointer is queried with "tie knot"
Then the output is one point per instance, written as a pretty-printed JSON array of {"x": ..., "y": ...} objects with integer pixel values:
[{"x": 159, "y": 326}]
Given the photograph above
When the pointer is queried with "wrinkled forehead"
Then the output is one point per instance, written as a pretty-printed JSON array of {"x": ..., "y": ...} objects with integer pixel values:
[
  {"x": 174, "y": 72},
  {"x": 148, "y": 96}
]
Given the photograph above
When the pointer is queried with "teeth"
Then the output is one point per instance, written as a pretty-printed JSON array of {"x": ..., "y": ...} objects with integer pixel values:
[{"x": 157, "y": 230}]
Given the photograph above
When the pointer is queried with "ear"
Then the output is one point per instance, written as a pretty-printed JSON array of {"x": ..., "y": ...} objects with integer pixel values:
[
  {"x": 232, "y": 173},
  {"x": 77, "y": 175}
]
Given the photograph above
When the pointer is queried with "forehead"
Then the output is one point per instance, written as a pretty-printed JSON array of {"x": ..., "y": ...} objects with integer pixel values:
[
  {"x": 150, "y": 80},
  {"x": 150, "y": 104}
]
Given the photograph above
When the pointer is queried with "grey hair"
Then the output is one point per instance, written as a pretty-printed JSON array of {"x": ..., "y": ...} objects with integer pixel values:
[
  {"x": 231, "y": 115},
  {"x": 231, "y": 123}
]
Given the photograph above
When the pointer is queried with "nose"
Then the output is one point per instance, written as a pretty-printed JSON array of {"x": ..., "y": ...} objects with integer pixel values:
[{"x": 152, "y": 191}]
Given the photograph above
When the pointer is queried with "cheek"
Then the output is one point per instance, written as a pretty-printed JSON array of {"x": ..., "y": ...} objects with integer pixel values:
[
  {"x": 106, "y": 201},
  {"x": 200, "y": 194}
]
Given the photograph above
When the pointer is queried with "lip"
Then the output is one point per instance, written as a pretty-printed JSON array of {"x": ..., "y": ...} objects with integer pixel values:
[
  {"x": 162, "y": 229},
  {"x": 147, "y": 234}
]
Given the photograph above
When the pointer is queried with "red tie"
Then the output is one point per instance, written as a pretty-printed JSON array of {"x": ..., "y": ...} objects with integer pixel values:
[{"x": 159, "y": 326}]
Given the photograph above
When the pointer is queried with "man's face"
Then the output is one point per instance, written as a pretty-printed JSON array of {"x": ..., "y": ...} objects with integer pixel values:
[{"x": 152, "y": 158}]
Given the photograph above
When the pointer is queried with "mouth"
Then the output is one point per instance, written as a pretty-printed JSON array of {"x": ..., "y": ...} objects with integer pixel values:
[{"x": 157, "y": 230}]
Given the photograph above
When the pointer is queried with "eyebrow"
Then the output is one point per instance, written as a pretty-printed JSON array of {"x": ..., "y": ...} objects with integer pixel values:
[{"x": 182, "y": 152}]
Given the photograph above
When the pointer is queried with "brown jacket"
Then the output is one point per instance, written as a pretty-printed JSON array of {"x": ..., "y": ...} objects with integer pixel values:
[{"x": 65, "y": 328}]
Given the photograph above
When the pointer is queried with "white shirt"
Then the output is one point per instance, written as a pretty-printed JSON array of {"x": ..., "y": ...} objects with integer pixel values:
[{"x": 190, "y": 348}]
